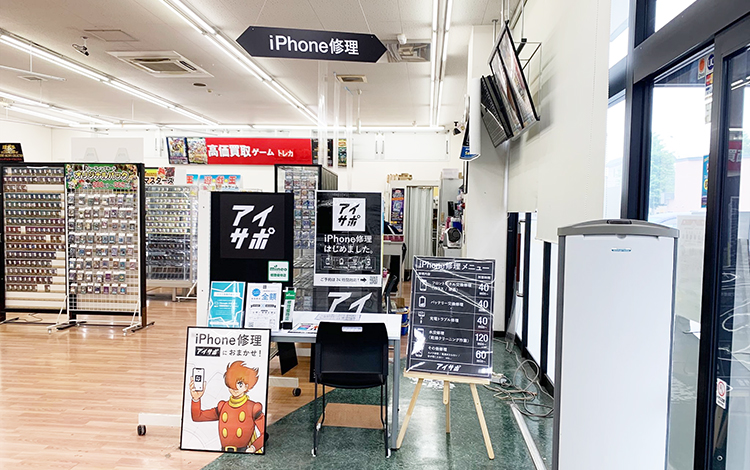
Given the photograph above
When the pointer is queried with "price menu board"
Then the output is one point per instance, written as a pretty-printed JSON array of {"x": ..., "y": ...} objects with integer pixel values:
[{"x": 452, "y": 301}]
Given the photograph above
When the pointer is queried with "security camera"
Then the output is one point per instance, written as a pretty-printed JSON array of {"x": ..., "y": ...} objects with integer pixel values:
[
  {"x": 82, "y": 49},
  {"x": 456, "y": 129}
]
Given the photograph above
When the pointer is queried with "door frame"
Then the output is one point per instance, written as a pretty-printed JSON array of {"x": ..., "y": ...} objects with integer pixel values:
[{"x": 726, "y": 44}]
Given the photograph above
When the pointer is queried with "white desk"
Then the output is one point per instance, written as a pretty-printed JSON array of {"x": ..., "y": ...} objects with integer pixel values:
[{"x": 392, "y": 325}]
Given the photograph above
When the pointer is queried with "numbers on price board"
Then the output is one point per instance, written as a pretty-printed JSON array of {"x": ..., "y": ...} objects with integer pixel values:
[
  {"x": 484, "y": 287},
  {"x": 483, "y": 321},
  {"x": 481, "y": 337},
  {"x": 485, "y": 304},
  {"x": 482, "y": 355}
]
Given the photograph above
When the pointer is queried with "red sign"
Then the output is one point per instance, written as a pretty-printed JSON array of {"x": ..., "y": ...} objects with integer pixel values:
[{"x": 254, "y": 151}]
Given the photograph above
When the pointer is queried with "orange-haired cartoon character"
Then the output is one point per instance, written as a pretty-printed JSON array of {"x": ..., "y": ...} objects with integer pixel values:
[{"x": 237, "y": 417}]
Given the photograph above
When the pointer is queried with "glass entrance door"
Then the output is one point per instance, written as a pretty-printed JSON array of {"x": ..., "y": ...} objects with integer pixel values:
[{"x": 732, "y": 320}]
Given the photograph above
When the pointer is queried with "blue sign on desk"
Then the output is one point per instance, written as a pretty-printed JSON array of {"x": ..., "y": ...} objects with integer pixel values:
[{"x": 225, "y": 305}]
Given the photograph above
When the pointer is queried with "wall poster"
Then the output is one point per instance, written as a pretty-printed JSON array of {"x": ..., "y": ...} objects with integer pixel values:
[{"x": 225, "y": 390}]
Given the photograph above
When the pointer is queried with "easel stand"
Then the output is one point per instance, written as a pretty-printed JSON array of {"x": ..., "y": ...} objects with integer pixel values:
[{"x": 421, "y": 376}]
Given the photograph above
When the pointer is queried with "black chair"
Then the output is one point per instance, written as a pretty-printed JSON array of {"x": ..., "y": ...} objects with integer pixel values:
[{"x": 351, "y": 355}]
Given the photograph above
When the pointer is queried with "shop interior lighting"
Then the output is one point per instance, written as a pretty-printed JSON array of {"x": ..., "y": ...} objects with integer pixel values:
[
  {"x": 397, "y": 129},
  {"x": 50, "y": 56},
  {"x": 234, "y": 51},
  {"x": 83, "y": 117},
  {"x": 21, "y": 100},
  {"x": 140, "y": 94},
  {"x": 31, "y": 112},
  {"x": 188, "y": 15},
  {"x": 441, "y": 31},
  {"x": 194, "y": 116}
]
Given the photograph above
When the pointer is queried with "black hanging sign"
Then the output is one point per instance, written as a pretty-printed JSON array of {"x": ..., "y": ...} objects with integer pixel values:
[
  {"x": 287, "y": 43},
  {"x": 451, "y": 316}
]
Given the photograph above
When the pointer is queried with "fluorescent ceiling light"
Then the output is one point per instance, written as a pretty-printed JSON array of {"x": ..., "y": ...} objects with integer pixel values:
[
  {"x": 434, "y": 15},
  {"x": 448, "y": 14},
  {"x": 405, "y": 129},
  {"x": 181, "y": 15},
  {"x": 41, "y": 115},
  {"x": 140, "y": 94},
  {"x": 237, "y": 54},
  {"x": 192, "y": 15},
  {"x": 194, "y": 116},
  {"x": 445, "y": 54},
  {"x": 21, "y": 100},
  {"x": 83, "y": 117},
  {"x": 56, "y": 59},
  {"x": 232, "y": 55}
]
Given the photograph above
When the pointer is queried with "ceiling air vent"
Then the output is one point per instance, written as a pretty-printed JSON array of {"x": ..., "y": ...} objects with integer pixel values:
[
  {"x": 409, "y": 52},
  {"x": 110, "y": 35},
  {"x": 351, "y": 78},
  {"x": 162, "y": 64}
]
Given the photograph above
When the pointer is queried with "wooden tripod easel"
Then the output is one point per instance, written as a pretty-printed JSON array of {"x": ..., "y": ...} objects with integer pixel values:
[{"x": 446, "y": 401}]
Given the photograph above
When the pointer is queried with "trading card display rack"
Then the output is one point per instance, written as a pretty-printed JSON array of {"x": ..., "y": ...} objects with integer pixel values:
[
  {"x": 303, "y": 181},
  {"x": 171, "y": 236},
  {"x": 35, "y": 242},
  {"x": 78, "y": 232}
]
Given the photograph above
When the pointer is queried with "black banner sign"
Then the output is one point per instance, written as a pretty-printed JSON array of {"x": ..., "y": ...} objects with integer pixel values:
[
  {"x": 452, "y": 301},
  {"x": 348, "y": 252},
  {"x": 311, "y": 44},
  {"x": 252, "y": 226}
]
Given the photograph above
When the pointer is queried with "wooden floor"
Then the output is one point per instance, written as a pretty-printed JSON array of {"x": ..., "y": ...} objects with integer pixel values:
[{"x": 71, "y": 399}]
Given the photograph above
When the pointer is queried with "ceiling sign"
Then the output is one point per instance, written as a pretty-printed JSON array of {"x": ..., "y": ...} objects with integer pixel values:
[{"x": 311, "y": 44}]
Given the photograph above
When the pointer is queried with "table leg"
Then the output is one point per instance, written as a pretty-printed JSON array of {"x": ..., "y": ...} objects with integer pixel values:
[{"x": 396, "y": 381}]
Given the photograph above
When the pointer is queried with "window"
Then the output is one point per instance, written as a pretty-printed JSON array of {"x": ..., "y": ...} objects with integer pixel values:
[
  {"x": 618, "y": 31},
  {"x": 680, "y": 141},
  {"x": 613, "y": 157},
  {"x": 666, "y": 10}
]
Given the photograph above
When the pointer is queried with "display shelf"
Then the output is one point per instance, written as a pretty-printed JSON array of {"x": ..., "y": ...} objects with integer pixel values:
[
  {"x": 171, "y": 236},
  {"x": 34, "y": 227},
  {"x": 303, "y": 181},
  {"x": 104, "y": 236}
]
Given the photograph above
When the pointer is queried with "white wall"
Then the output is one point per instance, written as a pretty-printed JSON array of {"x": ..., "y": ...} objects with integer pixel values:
[
  {"x": 369, "y": 174},
  {"x": 35, "y": 140},
  {"x": 557, "y": 167}
]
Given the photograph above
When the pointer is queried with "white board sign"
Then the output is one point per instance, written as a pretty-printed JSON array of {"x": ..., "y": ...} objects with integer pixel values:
[{"x": 225, "y": 390}]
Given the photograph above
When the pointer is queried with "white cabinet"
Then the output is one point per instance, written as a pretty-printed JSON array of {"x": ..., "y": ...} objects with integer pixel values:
[{"x": 400, "y": 147}]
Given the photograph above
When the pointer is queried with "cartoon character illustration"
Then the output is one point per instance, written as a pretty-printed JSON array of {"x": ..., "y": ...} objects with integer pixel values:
[{"x": 237, "y": 417}]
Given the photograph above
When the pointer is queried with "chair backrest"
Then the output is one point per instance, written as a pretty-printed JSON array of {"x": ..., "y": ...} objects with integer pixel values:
[{"x": 351, "y": 348}]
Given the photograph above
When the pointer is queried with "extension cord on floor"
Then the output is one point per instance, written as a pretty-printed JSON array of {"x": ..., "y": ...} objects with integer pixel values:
[{"x": 499, "y": 379}]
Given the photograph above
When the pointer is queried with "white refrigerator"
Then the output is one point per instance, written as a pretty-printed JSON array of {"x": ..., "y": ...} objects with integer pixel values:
[{"x": 616, "y": 282}]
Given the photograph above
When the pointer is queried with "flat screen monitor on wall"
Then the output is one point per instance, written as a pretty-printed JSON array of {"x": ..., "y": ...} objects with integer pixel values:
[
  {"x": 493, "y": 114},
  {"x": 511, "y": 83}
]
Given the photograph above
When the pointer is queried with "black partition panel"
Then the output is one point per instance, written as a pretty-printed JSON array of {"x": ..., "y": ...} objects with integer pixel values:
[{"x": 243, "y": 244}]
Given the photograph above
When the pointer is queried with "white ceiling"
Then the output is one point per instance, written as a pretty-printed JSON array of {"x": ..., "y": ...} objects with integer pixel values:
[{"x": 396, "y": 94}]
